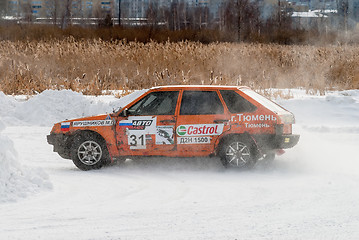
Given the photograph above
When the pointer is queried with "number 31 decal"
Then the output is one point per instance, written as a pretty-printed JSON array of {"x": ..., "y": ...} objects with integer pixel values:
[{"x": 137, "y": 141}]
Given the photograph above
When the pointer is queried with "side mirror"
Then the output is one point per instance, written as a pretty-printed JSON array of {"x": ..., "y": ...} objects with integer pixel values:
[{"x": 124, "y": 113}]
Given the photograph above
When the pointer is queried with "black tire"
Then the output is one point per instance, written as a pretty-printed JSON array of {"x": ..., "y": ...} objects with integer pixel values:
[
  {"x": 238, "y": 152},
  {"x": 89, "y": 152},
  {"x": 268, "y": 157}
]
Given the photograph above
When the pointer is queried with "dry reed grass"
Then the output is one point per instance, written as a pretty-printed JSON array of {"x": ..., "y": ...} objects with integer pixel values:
[{"x": 91, "y": 66}]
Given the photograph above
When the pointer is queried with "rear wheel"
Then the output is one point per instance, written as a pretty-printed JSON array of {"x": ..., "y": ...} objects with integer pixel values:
[
  {"x": 237, "y": 152},
  {"x": 267, "y": 159},
  {"x": 89, "y": 152}
]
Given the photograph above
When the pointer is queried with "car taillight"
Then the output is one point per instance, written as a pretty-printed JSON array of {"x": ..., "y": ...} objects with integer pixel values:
[
  {"x": 287, "y": 129},
  {"x": 286, "y": 118}
]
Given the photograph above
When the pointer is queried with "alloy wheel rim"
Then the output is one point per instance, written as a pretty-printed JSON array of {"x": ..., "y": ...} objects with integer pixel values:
[
  {"x": 238, "y": 154},
  {"x": 89, "y": 153}
]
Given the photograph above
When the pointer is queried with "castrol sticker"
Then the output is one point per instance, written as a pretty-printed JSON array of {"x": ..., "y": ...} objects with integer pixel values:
[{"x": 199, "y": 130}]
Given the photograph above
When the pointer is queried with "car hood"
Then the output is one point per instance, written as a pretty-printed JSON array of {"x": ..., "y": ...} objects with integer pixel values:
[{"x": 91, "y": 118}]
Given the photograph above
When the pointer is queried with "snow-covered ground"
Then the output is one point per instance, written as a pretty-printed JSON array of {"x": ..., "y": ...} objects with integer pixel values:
[{"x": 311, "y": 192}]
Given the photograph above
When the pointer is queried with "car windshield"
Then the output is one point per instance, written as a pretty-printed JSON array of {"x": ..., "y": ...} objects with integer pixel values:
[{"x": 125, "y": 100}]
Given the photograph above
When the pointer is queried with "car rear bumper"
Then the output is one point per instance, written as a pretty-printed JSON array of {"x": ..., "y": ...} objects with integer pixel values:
[
  {"x": 276, "y": 141},
  {"x": 286, "y": 141}
]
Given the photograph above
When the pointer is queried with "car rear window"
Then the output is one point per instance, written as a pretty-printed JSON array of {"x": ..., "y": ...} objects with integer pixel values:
[
  {"x": 264, "y": 101},
  {"x": 236, "y": 103},
  {"x": 201, "y": 103}
]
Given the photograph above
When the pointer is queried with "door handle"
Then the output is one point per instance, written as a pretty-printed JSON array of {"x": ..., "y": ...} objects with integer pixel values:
[
  {"x": 168, "y": 121},
  {"x": 220, "y": 120}
]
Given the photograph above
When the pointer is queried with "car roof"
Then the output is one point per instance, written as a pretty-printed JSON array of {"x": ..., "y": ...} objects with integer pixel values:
[{"x": 198, "y": 87}]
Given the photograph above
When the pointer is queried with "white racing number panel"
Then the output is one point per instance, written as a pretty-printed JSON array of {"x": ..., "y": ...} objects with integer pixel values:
[
  {"x": 140, "y": 128},
  {"x": 137, "y": 129}
]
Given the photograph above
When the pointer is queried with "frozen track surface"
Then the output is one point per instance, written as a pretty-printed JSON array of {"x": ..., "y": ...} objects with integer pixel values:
[{"x": 311, "y": 192}]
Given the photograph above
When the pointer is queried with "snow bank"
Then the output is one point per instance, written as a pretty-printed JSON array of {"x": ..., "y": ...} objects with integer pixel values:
[
  {"x": 7, "y": 107},
  {"x": 329, "y": 130},
  {"x": 17, "y": 181},
  {"x": 44, "y": 109},
  {"x": 53, "y": 106},
  {"x": 336, "y": 112}
]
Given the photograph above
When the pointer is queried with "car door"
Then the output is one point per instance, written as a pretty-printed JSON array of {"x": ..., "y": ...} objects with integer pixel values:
[
  {"x": 201, "y": 120},
  {"x": 149, "y": 127}
]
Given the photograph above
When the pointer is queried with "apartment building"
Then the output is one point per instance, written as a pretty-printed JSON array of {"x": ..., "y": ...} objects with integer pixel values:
[
  {"x": 138, "y": 8},
  {"x": 46, "y": 8}
]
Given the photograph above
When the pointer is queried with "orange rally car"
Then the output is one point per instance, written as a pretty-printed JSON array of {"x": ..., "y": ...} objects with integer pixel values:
[{"x": 235, "y": 123}]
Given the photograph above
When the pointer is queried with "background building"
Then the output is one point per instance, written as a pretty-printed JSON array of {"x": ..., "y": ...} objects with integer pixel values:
[
  {"x": 179, "y": 12},
  {"x": 354, "y": 9},
  {"x": 3, "y": 7}
]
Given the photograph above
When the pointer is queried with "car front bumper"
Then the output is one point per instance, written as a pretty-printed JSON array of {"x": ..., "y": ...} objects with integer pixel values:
[{"x": 59, "y": 141}]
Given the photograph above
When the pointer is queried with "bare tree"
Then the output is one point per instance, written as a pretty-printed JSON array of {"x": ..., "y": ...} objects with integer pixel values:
[
  {"x": 67, "y": 13},
  {"x": 104, "y": 13},
  {"x": 53, "y": 12},
  {"x": 119, "y": 12},
  {"x": 164, "y": 16},
  {"x": 247, "y": 17},
  {"x": 203, "y": 13},
  {"x": 152, "y": 14},
  {"x": 77, "y": 10},
  {"x": 97, "y": 11},
  {"x": 228, "y": 16},
  {"x": 242, "y": 18},
  {"x": 343, "y": 11},
  {"x": 174, "y": 23},
  {"x": 3, "y": 7},
  {"x": 27, "y": 11}
]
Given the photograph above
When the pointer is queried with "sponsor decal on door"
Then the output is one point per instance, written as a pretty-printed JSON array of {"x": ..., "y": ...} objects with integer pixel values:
[
  {"x": 137, "y": 130},
  {"x": 192, "y": 130},
  {"x": 193, "y": 140},
  {"x": 164, "y": 135}
]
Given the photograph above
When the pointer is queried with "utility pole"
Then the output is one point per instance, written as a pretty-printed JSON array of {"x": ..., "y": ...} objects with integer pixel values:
[
  {"x": 346, "y": 8},
  {"x": 279, "y": 14},
  {"x": 119, "y": 12}
]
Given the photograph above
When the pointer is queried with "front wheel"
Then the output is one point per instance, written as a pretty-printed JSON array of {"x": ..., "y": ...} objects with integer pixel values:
[
  {"x": 89, "y": 152},
  {"x": 238, "y": 152}
]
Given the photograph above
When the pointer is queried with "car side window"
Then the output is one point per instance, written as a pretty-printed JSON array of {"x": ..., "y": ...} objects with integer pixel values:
[
  {"x": 201, "y": 103},
  {"x": 236, "y": 103},
  {"x": 155, "y": 103}
]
